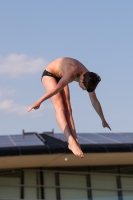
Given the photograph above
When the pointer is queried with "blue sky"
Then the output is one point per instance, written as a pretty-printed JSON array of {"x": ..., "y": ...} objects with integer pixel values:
[{"x": 97, "y": 33}]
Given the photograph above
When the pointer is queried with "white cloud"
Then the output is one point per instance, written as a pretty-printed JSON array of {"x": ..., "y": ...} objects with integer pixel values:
[
  {"x": 17, "y": 65},
  {"x": 8, "y": 106}
]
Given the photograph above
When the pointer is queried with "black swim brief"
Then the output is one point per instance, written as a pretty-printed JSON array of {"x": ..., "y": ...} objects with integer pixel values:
[{"x": 46, "y": 73}]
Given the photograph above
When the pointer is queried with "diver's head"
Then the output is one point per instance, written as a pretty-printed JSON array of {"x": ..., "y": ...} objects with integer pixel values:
[{"x": 89, "y": 81}]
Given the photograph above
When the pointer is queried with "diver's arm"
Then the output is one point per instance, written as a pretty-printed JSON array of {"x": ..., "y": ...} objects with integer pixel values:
[
  {"x": 97, "y": 106},
  {"x": 61, "y": 84}
]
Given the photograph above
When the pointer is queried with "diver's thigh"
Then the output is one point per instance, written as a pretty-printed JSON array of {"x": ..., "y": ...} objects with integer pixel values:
[{"x": 49, "y": 83}]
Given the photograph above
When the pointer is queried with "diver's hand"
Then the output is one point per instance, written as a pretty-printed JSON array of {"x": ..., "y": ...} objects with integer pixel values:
[
  {"x": 105, "y": 124},
  {"x": 34, "y": 106}
]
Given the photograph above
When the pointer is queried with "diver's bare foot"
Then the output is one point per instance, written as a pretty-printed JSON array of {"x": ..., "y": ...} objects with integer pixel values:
[
  {"x": 74, "y": 147},
  {"x": 78, "y": 143}
]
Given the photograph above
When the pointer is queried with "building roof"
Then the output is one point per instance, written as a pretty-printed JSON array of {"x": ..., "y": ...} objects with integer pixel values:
[
  {"x": 32, "y": 143},
  {"x": 49, "y": 150}
]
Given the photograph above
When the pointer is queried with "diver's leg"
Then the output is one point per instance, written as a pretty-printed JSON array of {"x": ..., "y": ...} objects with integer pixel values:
[
  {"x": 68, "y": 111},
  {"x": 57, "y": 100}
]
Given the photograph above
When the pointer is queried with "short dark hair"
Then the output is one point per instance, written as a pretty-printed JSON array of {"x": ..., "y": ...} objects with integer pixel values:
[{"x": 91, "y": 81}]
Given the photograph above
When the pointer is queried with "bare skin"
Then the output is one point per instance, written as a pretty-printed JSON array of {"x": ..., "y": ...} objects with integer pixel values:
[{"x": 69, "y": 70}]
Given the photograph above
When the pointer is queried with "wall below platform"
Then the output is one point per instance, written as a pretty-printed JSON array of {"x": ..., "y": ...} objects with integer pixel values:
[{"x": 68, "y": 183}]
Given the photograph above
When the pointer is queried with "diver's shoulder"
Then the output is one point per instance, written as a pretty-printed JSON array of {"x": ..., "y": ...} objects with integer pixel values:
[{"x": 65, "y": 59}]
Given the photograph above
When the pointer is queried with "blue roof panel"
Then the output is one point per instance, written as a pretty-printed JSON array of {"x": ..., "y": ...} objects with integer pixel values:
[
  {"x": 101, "y": 138},
  {"x": 20, "y": 140}
]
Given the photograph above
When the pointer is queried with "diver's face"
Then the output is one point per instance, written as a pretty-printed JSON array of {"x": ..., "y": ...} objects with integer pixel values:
[
  {"x": 81, "y": 83},
  {"x": 82, "y": 86}
]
